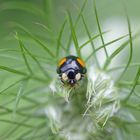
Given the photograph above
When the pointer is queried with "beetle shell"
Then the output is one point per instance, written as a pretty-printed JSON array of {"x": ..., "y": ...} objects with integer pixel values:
[{"x": 71, "y": 69}]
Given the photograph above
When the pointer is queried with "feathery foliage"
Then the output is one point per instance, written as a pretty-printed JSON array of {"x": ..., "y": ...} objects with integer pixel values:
[{"x": 33, "y": 102}]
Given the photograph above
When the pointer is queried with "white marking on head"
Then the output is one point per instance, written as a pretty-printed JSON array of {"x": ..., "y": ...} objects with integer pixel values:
[
  {"x": 64, "y": 77},
  {"x": 78, "y": 76}
]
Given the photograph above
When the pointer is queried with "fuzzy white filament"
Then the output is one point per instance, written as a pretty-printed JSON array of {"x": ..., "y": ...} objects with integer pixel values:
[{"x": 100, "y": 101}]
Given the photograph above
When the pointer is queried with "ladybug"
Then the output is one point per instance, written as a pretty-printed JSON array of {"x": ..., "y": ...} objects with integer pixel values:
[{"x": 71, "y": 69}]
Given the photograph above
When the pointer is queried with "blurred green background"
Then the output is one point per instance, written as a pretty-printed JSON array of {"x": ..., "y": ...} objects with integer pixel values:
[
  {"x": 31, "y": 14},
  {"x": 43, "y": 19}
]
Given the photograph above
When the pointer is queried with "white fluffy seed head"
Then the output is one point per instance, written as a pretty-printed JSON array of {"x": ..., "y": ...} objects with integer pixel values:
[
  {"x": 64, "y": 77},
  {"x": 78, "y": 76}
]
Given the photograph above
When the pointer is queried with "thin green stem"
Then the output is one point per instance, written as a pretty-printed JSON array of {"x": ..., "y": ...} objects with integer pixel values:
[
  {"x": 59, "y": 38},
  {"x": 117, "y": 51},
  {"x": 131, "y": 49},
  {"x": 99, "y": 28},
  {"x": 23, "y": 54},
  {"x": 76, "y": 23},
  {"x": 102, "y": 46},
  {"x": 74, "y": 36},
  {"x": 122, "y": 67},
  {"x": 134, "y": 86},
  {"x": 38, "y": 63}
]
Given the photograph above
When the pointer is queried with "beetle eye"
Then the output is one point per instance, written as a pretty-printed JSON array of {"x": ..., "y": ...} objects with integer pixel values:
[
  {"x": 84, "y": 70},
  {"x": 78, "y": 76},
  {"x": 64, "y": 77},
  {"x": 58, "y": 71}
]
